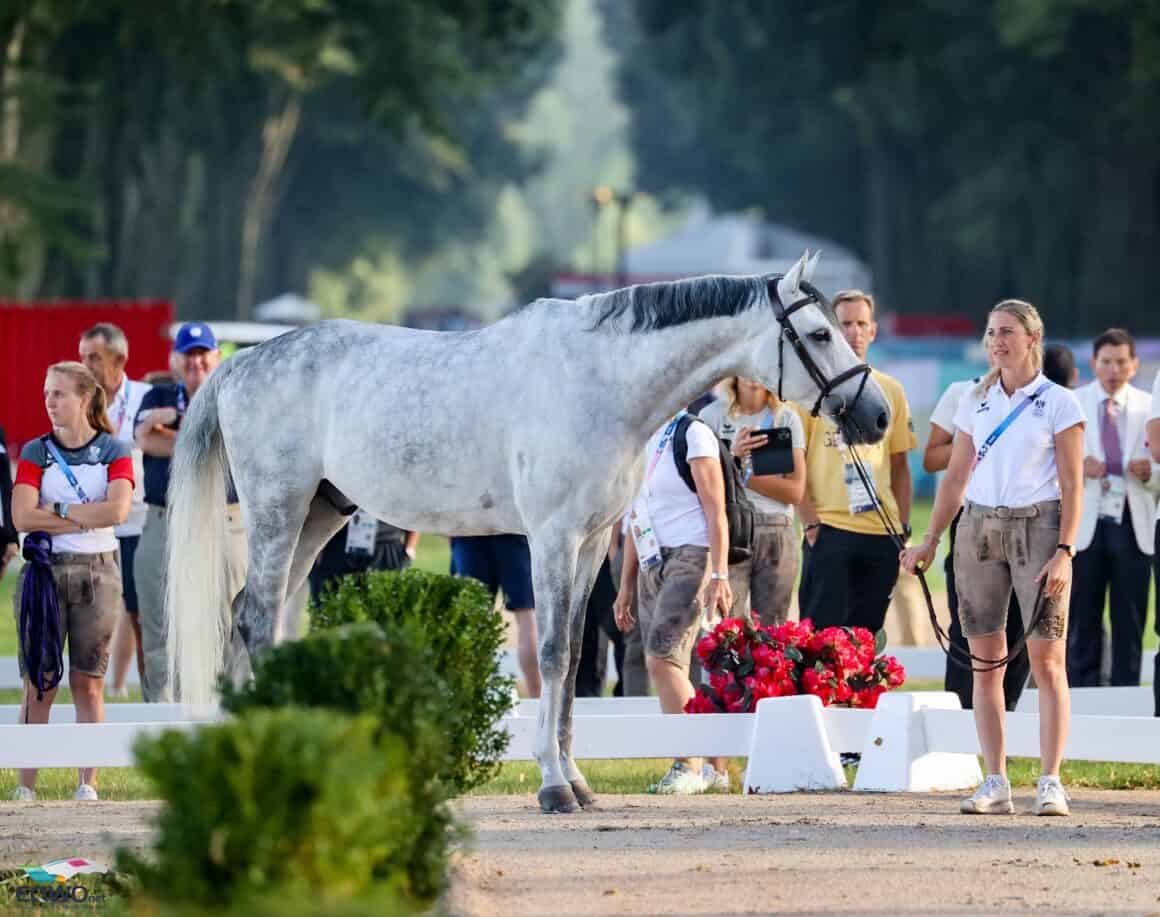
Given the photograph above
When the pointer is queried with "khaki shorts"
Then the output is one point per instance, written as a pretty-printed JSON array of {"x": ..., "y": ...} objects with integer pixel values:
[
  {"x": 88, "y": 588},
  {"x": 764, "y": 583},
  {"x": 1000, "y": 549},
  {"x": 669, "y": 606}
]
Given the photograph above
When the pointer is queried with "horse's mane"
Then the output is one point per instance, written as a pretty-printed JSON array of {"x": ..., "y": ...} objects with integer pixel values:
[{"x": 651, "y": 306}]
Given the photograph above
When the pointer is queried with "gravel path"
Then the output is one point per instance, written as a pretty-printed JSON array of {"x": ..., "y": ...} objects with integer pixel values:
[{"x": 830, "y": 853}]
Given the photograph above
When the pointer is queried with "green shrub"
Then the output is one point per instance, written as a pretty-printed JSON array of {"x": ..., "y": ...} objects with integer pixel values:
[
  {"x": 357, "y": 669},
  {"x": 306, "y": 805},
  {"x": 453, "y": 620}
]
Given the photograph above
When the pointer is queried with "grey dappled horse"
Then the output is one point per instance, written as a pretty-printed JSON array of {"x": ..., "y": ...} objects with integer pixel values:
[{"x": 536, "y": 424}]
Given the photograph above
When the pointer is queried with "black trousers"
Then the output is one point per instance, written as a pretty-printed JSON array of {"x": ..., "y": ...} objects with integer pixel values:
[
  {"x": 1113, "y": 560},
  {"x": 334, "y": 561},
  {"x": 959, "y": 679},
  {"x": 847, "y": 579},
  {"x": 597, "y": 620}
]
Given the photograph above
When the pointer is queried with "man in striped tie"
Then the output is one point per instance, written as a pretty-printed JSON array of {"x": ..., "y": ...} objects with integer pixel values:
[{"x": 1115, "y": 540}]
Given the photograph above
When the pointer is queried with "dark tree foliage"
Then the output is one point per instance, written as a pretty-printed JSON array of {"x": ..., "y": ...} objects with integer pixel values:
[{"x": 968, "y": 150}]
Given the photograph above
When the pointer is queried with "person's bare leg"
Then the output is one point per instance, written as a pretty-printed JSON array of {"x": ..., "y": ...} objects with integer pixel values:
[
  {"x": 989, "y": 703},
  {"x": 135, "y": 620},
  {"x": 674, "y": 691},
  {"x": 89, "y": 698},
  {"x": 34, "y": 711},
  {"x": 526, "y": 649},
  {"x": 1049, "y": 663}
]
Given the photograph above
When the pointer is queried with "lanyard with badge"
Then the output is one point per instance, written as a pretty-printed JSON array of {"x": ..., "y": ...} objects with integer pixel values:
[
  {"x": 859, "y": 497},
  {"x": 648, "y": 548},
  {"x": 67, "y": 471},
  {"x": 1112, "y": 498}
]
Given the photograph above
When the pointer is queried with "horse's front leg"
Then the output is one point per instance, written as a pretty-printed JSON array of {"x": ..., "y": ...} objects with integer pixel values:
[
  {"x": 553, "y": 573},
  {"x": 592, "y": 553}
]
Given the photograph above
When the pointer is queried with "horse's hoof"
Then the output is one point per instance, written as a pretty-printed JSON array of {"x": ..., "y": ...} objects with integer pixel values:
[
  {"x": 584, "y": 794},
  {"x": 557, "y": 799}
]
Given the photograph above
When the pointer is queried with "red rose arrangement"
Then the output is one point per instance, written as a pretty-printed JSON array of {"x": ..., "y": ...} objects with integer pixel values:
[{"x": 746, "y": 662}]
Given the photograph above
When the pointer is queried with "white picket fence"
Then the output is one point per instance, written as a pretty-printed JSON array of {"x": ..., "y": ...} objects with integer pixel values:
[{"x": 914, "y": 742}]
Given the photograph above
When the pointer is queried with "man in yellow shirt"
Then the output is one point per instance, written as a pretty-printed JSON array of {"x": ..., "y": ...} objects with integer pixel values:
[{"x": 849, "y": 563}]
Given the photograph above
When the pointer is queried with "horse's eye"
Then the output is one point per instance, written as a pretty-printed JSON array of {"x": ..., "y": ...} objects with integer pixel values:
[{"x": 822, "y": 336}]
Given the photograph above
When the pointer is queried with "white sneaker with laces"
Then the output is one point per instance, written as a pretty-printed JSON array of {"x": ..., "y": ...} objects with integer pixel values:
[
  {"x": 23, "y": 794},
  {"x": 681, "y": 780},
  {"x": 1051, "y": 798},
  {"x": 715, "y": 781},
  {"x": 993, "y": 797},
  {"x": 85, "y": 793}
]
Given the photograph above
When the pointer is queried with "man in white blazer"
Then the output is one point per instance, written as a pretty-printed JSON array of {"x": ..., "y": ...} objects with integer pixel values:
[
  {"x": 1116, "y": 539},
  {"x": 1153, "y": 434}
]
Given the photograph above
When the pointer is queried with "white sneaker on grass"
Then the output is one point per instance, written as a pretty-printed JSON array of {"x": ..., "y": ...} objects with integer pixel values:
[
  {"x": 1051, "y": 798},
  {"x": 23, "y": 794},
  {"x": 715, "y": 781},
  {"x": 85, "y": 793},
  {"x": 681, "y": 780},
  {"x": 993, "y": 797}
]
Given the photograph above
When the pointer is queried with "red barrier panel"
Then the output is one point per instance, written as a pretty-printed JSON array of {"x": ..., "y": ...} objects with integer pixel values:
[{"x": 33, "y": 335}]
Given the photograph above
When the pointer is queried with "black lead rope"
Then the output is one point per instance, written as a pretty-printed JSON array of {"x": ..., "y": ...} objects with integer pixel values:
[{"x": 964, "y": 659}]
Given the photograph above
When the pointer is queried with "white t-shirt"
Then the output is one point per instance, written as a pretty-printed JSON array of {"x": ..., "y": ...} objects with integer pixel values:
[
  {"x": 1154, "y": 414},
  {"x": 123, "y": 413},
  {"x": 727, "y": 426},
  {"x": 943, "y": 415},
  {"x": 674, "y": 510},
  {"x": 1019, "y": 469}
]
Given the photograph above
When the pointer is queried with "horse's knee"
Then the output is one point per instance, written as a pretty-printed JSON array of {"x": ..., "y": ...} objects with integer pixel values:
[{"x": 554, "y": 662}]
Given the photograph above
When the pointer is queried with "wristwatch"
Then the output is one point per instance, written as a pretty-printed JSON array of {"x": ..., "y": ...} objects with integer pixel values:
[
  {"x": 907, "y": 531},
  {"x": 60, "y": 509},
  {"x": 1068, "y": 549},
  {"x": 719, "y": 576}
]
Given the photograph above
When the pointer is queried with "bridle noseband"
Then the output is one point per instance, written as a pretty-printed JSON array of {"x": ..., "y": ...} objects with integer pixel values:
[{"x": 825, "y": 386}]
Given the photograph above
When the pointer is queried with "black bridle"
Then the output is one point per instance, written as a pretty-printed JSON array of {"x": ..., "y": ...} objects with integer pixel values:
[{"x": 788, "y": 333}]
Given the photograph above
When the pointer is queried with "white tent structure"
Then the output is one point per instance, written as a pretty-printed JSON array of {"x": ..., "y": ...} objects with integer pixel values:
[
  {"x": 289, "y": 308},
  {"x": 728, "y": 244}
]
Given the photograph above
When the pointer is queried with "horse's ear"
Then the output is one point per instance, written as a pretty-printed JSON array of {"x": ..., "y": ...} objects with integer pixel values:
[
  {"x": 787, "y": 287},
  {"x": 811, "y": 266}
]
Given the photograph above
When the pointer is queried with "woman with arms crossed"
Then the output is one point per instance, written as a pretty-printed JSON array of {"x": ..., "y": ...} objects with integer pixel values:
[{"x": 1017, "y": 457}]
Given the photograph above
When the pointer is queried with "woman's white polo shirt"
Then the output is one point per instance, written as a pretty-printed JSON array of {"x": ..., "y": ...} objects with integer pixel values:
[{"x": 1019, "y": 469}]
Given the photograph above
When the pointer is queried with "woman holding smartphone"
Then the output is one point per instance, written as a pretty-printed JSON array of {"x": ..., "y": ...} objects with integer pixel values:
[
  {"x": 1017, "y": 457},
  {"x": 764, "y": 583}
]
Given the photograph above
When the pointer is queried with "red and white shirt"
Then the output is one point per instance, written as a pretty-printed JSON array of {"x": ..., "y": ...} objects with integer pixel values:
[{"x": 99, "y": 461}]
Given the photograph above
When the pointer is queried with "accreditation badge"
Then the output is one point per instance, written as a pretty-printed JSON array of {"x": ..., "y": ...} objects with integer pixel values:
[
  {"x": 648, "y": 549},
  {"x": 858, "y": 498},
  {"x": 1112, "y": 498},
  {"x": 360, "y": 533}
]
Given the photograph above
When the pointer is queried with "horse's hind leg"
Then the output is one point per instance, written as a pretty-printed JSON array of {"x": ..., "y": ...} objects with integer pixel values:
[
  {"x": 553, "y": 576},
  {"x": 587, "y": 566},
  {"x": 322, "y": 522}
]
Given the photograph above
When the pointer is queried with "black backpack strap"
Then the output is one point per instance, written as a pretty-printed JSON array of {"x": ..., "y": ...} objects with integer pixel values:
[{"x": 681, "y": 450}]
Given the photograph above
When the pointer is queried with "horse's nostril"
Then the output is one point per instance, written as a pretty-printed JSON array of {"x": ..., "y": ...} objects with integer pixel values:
[{"x": 883, "y": 422}]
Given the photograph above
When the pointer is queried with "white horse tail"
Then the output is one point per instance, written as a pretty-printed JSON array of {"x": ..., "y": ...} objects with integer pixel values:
[{"x": 196, "y": 602}]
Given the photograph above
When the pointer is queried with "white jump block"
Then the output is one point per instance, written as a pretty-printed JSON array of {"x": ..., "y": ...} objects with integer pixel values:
[
  {"x": 789, "y": 748},
  {"x": 897, "y": 757}
]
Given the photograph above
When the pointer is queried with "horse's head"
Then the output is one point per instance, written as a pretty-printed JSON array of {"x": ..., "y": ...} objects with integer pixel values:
[{"x": 803, "y": 356}]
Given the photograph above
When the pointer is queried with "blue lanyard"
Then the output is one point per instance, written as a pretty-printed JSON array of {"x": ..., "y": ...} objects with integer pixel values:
[
  {"x": 66, "y": 470},
  {"x": 665, "y": 437},
  {"x": 1007, "y": 421},
  {"x": 126, "y": 388}
]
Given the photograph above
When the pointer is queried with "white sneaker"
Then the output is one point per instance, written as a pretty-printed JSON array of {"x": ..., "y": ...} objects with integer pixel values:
[
  {"x": 993, "y": 797},
  {"x": 85, "y": 793},
  {"x": 23, "y": 794},
  {"x": 1052, "y": 798},
  {"x": 715, "y": 781},
  {"x": 681, "y": 780}
]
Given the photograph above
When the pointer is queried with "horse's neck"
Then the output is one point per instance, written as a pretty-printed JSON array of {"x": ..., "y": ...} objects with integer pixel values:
[{"x": 665, "y": 370}]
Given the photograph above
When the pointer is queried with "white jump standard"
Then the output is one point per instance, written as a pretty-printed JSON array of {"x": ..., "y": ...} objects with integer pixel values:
[{"x": 534, "y": 425}]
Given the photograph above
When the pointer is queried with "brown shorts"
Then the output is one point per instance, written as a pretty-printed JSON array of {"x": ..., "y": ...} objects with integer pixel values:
[
  {"x": 764, "y": 583},
  {"x": 88, "y": 587},
  {"x": 1000, "y": 549},
  {"x": 668, "y": 597}
]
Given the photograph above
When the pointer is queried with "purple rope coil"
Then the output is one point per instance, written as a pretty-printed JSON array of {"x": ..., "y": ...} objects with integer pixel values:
[{"x": 41, "y": 639}]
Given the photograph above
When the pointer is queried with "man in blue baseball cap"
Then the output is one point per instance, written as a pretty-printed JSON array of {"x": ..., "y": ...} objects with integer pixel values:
[{"x": 195, "y": 355}]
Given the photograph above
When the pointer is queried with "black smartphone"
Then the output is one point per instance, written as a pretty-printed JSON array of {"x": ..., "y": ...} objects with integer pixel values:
[{"x": 776, "y": 456}]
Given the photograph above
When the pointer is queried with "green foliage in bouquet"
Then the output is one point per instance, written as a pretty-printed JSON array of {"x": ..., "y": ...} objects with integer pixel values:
[{"x": 300, "y": 805}]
